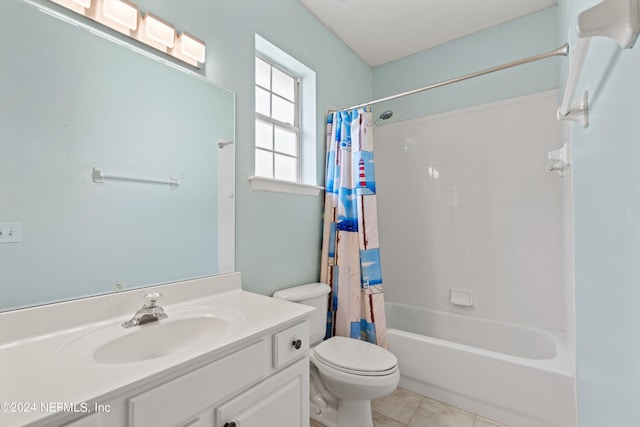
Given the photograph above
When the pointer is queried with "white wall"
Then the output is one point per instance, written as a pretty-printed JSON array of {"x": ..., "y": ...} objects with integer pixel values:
[{"x": 465, "y": 202}]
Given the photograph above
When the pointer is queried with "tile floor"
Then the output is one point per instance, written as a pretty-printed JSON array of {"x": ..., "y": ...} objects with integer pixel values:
[{"x": 403, "y": 408}]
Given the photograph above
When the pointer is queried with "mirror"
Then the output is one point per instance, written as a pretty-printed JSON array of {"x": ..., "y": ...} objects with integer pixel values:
[{"x": 71, "y": 101}]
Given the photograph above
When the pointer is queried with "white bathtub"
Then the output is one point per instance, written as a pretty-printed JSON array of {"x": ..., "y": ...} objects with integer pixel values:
[{"x": 518, "y": 375}]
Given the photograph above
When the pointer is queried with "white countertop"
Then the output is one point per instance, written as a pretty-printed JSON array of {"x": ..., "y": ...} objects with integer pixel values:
[{"x": 38, "y": 367}]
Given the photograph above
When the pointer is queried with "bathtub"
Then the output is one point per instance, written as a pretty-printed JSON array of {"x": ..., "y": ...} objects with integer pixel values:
[{"x": 514, "y": 374}]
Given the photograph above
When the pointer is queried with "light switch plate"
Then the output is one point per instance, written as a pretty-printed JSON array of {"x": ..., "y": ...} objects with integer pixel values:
[{"x": 10, "y": 232}]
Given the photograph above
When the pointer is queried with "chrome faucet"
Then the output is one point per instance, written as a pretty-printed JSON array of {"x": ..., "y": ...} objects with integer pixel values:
[{"x": 150, "y": 311}]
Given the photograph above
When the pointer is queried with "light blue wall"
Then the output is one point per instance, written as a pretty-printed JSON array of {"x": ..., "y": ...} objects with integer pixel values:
[
  {"x": 527, "y": 36},
  {"x": 607, "y": 235},
  {"x": 278, "y": 235}
]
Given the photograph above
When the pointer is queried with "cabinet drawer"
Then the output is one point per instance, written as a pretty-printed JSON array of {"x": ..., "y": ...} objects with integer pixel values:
[
  {"x": 180, "y": 399},
  {"x": 290, "y": 344}
]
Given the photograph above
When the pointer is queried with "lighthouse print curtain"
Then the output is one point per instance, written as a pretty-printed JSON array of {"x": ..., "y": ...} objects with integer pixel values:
[{"x": 350, "y": 248}]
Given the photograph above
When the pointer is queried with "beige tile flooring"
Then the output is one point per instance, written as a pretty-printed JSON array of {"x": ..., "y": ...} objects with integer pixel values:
[{"x": 403, "y": 408}]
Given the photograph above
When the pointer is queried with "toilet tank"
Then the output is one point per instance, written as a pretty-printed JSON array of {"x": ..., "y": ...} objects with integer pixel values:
[{"x": 315, "y": 295}]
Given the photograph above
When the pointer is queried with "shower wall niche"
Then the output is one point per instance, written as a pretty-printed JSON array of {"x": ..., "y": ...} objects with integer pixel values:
[{"x": 465, "y": 202}]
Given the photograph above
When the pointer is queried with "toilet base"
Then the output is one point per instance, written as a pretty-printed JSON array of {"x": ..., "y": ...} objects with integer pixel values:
[
  {"x": 354, "y": 413},
  {"x": 350, "y": 413},
  {"x": 325, "y": 416}
]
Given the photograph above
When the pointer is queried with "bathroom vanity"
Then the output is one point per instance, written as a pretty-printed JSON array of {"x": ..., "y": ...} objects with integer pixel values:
[{"x": 222, "y": 358}]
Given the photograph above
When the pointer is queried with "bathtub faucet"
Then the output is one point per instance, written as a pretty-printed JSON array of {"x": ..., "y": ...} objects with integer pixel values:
[{"x": 150, "y": 311}]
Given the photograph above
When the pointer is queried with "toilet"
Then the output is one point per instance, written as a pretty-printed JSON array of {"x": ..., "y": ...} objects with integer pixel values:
[{"x": 345, "y": 373}]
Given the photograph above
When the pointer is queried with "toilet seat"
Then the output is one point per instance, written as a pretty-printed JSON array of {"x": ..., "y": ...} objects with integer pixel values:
[{"x": 356, "y": 357}]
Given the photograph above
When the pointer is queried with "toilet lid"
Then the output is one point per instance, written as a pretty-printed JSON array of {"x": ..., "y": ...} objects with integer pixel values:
[{"x": 355, "y": 355}]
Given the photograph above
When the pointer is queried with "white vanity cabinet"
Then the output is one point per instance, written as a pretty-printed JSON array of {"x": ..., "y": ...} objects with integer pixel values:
[
  {"x": 262, "y": 383},
  {"x": 175, "y": 402},
  {"x": 282, "y": 399},
  {"x": 241, "y": 359},
  {"x": 278, "y": 401}
]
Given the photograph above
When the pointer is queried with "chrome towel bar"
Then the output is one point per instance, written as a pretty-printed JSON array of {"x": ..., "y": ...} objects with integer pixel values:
[{"x": 99, "y": 176}]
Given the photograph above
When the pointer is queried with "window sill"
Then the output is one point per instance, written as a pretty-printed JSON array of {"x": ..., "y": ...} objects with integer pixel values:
[{"x": 259, "y": 183}]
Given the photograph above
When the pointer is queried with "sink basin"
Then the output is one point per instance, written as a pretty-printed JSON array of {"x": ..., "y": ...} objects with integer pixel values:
[
  {"x": 159, "y": 339},
  {"x": 185, "y": 329}
]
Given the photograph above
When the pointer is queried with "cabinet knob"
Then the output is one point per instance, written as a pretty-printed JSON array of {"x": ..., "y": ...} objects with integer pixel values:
[
  {"x": 297, "y": 344},
  {"x": 231, "y": 424}
]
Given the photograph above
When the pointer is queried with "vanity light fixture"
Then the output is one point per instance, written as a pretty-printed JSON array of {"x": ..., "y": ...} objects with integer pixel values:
[
  {"x": 158, "y": 30},
  {"x": 123, "y": 16},
  {"x": 78, "y": 6},
  {"x": 192, "y": 47},
  {"x": 122, "y": 12}
]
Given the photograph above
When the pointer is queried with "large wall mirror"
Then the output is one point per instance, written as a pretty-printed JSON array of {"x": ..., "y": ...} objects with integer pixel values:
[{"x": 71, "y": 101}]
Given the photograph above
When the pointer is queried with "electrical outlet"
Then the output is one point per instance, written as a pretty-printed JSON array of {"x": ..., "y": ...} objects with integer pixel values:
[{"x": 10, "y": 232}]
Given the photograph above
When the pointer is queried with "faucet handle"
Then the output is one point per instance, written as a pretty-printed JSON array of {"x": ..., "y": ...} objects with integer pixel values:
[{"x": 152, "y": 298}]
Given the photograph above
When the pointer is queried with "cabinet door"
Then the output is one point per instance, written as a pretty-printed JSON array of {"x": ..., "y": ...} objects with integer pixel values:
[{"x": 281, "y": 400}]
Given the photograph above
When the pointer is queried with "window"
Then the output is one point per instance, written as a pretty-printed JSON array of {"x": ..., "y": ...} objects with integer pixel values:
[
  {"x": 286, "y": 152},
  {"x": 277, "y": 144}
]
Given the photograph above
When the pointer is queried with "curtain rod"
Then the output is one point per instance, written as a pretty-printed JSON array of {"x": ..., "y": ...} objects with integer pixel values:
[{"x": 562, "y": 50}]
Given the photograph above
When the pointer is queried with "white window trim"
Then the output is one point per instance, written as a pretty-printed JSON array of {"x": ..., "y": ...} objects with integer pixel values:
[
  {"x": 308, "y": 129},
  {"x": 295, "y": 127},
  {"x": 261, "y": 183}
]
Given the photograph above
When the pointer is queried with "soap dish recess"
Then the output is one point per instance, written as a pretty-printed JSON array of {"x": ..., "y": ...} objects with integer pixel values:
[{"x": 462, "y": 297}]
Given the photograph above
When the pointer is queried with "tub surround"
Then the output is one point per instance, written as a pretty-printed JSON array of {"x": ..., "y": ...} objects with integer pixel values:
[
  {"x": 465, "y": 202},
  {"x": 480, "y": 213},
  {"x": 38, "y": 366}
]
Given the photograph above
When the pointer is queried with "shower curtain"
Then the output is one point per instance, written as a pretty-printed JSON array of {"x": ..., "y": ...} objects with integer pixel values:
[{"x": 350, "y": 248}]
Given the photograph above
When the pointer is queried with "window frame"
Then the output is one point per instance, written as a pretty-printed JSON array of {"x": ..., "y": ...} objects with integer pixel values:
[{"x": 295, "y": 127}]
